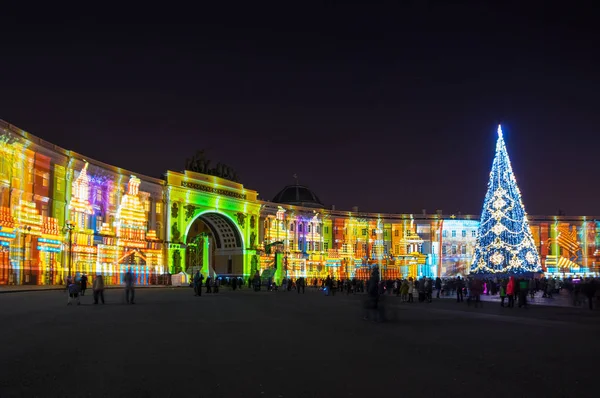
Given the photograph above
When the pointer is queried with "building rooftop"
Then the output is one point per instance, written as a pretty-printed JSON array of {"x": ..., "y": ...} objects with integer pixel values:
[{"x": 298, "y": 195}]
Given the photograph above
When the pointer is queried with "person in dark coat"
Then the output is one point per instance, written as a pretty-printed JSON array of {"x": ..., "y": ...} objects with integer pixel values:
[
  {"x": 438, "y": 286},
  {"x": 208, "y": 284},
  {"x": 372, "y": 298},
  {"x": 198, "y": 278},
  {"x": 130, "y": 287},
  {"x": 459, "y": 289},
  {"x": 83, "y": 283}
]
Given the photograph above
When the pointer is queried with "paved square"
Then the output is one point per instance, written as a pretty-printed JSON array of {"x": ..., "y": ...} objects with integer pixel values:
[{"x": 246, "y": 344}]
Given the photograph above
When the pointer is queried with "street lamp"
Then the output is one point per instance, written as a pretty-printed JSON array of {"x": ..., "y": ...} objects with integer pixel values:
[
  {"x": 69, "y": 228},
  {"x": 24, "y": 232}
]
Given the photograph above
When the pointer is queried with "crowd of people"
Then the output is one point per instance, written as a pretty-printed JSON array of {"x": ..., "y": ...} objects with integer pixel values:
[
  {"x": 511, "y": 290},
  {"x": 77, "y": 285}
]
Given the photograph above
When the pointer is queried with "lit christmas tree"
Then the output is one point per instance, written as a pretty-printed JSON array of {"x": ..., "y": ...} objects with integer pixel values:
[{"x": 504, "y": 241}]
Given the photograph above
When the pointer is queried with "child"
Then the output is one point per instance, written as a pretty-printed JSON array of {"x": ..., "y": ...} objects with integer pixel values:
[
  {"x": 502, "y": 294},
  {"x": 73, "y": 293}
]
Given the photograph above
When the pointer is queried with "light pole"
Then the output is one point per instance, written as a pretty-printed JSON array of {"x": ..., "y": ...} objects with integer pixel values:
[
  {"x": 24, "y": 232},
  {"x": 69, "y": 227}
]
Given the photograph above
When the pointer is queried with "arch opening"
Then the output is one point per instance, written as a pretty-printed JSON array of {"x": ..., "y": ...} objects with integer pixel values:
[{"x": 214, "y": 246}]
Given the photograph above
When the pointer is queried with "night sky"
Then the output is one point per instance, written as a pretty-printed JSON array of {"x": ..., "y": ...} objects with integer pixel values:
[{"x": 389, "y": 109}]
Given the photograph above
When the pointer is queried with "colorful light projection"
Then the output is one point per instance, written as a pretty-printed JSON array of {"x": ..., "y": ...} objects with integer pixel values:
[
  {"x": 196, "y": 196},
  {"x": 79, "y": 204},
  {"x": 131, "y": 216},
  {"x": 112, "y": 247}
]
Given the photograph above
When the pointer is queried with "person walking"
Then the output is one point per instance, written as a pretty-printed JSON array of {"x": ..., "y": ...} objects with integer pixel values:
[
  {"x": 208, "y": 284},
  {"x": 130, "y": 287},
  {"x": 98, "y": 288},
  {"x": 198, "y": 278},
  {"x": 83, "y": 282},
  {"x": 502, "y": 294},
  {"x": 438, "y": 286},
  {"x": 459, "y": 289},
  {"x": 73, "y": 293},
  {"x": 510, "y": 292},
  {"x": 300, "y": 285},
  {"x": 523, "y": 288}
]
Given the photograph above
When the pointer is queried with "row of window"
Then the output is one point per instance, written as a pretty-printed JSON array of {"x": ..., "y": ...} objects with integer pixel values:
[
  {"x": 454, "y": 249},
  {"x": 309, "y": 227},
  {"x": 310, "y": 246},
  {"x": 464, "y": 233}
]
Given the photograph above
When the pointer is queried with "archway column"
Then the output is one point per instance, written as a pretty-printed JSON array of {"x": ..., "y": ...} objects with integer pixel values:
[{"x": 206, "y": 271}]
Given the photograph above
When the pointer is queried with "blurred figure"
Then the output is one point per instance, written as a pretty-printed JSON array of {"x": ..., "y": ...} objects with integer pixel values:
[
  {"x": 208, "y": 284},
  {"x": 502, "y": 293},
  {"x": 73, "y": 293},
  {"x": 372, "y": 299},
  {"x": 130, "y": 287},
  {"x": 300, "y": 285},
  {"x": 523, "y": 289},
  {"x": 83, "y": 282},
  {"x": 459, "y": 289},
  {"x": 510, "y": 292},
  {"x": 98, "y": 288},
  {"x": 198, "y": 278}
]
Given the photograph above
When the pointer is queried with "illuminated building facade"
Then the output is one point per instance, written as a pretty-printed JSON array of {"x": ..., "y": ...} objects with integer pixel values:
[{"x": 61, "y": 212}]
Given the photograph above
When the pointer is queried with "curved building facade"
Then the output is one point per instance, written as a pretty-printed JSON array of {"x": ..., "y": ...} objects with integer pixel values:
[{"x": 62, "y": 213}]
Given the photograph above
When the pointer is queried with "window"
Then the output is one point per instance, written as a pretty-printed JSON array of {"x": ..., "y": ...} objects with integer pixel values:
[
  {"x": 158, "y": 207},
  {"x": 291, "y": 226},
  {"x": 464, "y": 233},
  {"x": 308, "y": 228},
  {"x": 98, "y": 195},
  {"x": 317, "y": 246},
  {"x": 444, "y": 249},
  {"x": 463, "y": 249},
  {"x": 454, "y": 249},
  {"x": 45, "y": 179},
  {"x": 385, "y": 232},
  {"x": 445, "y": 234},
  {"x": 318, "y": 229},
  {"x": 300, "y": 227},
  {"x": 397, "y": 249},
  {"x": 374, "y": 232},
  {"x": 397, "y": 232},
  {"x": 326, "y": 246},
  {"x": 364, "y": 231},
  {"x": 147, "y": 206},
  {"x": 59, "y": 186},
  {"x": 454, "y": 234},
  {"x": 326, "y": 230},
  {"x": 473, "y": 233}
]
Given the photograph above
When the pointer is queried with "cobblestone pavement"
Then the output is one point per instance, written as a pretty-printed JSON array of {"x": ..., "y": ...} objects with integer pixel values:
[{"x": 246, "y": 344}]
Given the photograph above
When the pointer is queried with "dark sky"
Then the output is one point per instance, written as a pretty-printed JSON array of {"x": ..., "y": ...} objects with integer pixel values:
[{"x": 391, "y": 109}]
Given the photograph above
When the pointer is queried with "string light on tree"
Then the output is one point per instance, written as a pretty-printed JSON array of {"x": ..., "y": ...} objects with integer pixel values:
[{"x": 504, "y": 240}]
